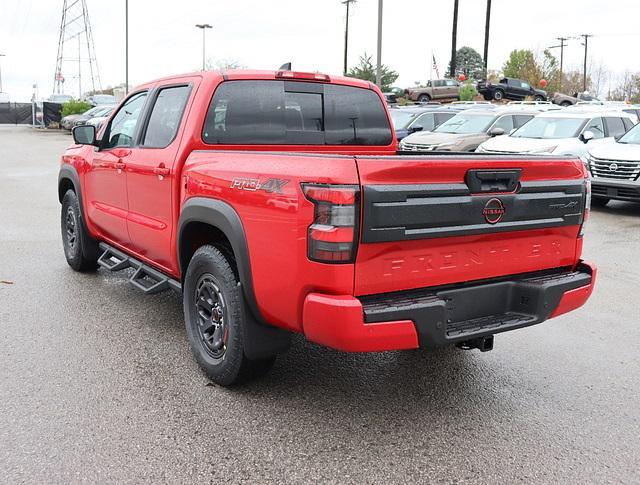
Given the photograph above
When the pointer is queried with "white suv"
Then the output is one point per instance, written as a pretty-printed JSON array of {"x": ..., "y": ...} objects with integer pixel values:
[
  {"x": 565, "y": 132},
  {"x": 615, "y": 168}
]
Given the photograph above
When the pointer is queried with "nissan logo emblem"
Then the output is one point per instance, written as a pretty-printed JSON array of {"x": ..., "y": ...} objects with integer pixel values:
[{"x": 493, "y": 211}]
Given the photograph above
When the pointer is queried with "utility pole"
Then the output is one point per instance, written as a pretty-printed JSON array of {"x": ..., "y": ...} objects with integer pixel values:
[
  {"x": 126, "y": 47},
  {"x": 454, "y": 39},
  {"x": 379, "y": 60},
  {"x": 487, "y": 24},
  {"x": 586, "y": 49},
  {"x": 1, "y": 55},
  {"x": 561, "y": 47},
  {"x": 79, "y": 69},
  {"x": 346, "y": 35},
  {"x": 204, "y": 27}
]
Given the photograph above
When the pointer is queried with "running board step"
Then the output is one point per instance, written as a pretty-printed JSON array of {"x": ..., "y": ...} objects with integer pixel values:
[{"x": 144, "y": 278}]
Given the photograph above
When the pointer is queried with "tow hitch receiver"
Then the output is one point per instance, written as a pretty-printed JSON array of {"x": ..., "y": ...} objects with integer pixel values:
[{"x": 484, "y": 344}]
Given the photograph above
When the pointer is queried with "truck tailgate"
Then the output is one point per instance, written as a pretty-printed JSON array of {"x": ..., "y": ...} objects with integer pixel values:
[{"x": 437, "y": 220}]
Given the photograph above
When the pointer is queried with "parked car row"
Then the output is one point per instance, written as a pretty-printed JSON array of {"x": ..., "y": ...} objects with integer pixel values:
[
  {"x": 606, "y": 137},
  {"x": 68, "y": 122}
]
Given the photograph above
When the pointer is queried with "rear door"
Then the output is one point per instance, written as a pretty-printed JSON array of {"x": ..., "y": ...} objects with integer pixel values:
[
  {"x": 452, "y": 88},
  {"x": 449, "y": 219},
  {"x": 439, "y": 89},
  {"x": 151, "y": 177}
]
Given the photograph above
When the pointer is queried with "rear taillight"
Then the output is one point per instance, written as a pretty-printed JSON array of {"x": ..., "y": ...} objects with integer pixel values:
[
  {"x": 587, "y": 206},
  {"x": 333, "y": 235}
]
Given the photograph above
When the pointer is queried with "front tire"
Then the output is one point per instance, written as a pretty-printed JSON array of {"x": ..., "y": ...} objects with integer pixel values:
[
  {"x": 424, "y": 98},
  {"x": 498, "y": 95},
  {"x": 214, "y": 319},
  {"x": 80, "y": 249},
  {"x": 539, "y": 98}
]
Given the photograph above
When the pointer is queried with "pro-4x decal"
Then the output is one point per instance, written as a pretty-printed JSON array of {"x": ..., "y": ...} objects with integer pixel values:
[{"x": 271, "y": 186}]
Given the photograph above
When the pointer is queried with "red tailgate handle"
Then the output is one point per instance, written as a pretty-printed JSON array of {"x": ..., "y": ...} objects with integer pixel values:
[{"x": 119, "y": 165}]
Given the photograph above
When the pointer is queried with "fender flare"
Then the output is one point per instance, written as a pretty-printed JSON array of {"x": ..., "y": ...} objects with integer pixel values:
[
  {"x": 261, "y": 338},
  {"x": 221, "y": 215},
  {"x": 69, "y": 172}
]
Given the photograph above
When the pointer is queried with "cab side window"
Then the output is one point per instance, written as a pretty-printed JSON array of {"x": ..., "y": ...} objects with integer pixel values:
[
  {"x": 596, "y": 127},
  {"x": 166, "y": 116},
  {"x": 121, "y": 130},
  {"x": 425, "y": 121},
  {"x": 506, "y": 123},
  {"x": 519, "y": 120},
  {"x": 615, "y": 126}
]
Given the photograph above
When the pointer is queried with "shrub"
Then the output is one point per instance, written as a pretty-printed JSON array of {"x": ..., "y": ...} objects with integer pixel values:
[
  {"x": 74, "y": 107},
  {"x": 468, "y": 92}
]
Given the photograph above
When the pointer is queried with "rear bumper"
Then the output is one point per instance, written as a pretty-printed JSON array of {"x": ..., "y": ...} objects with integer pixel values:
[
  {"x": 616, "y": 189},
  {"x": 434, "y": 317}
]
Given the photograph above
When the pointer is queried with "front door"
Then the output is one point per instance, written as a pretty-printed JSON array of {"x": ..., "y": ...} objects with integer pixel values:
[
  {"x": 151, "y": 176},
  {"x": 106, "y": 179}
]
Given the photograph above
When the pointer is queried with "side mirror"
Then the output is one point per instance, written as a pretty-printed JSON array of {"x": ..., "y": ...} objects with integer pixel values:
[
  {"x": 413, "y": 129},
  {"x": 496, "y": 131},
  {"x": 586, "y": 136},
  {"x": 84, "y": 135}
]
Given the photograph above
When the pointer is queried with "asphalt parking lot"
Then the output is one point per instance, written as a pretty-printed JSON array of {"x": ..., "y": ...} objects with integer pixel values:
[{"x": 97, "y": 383}]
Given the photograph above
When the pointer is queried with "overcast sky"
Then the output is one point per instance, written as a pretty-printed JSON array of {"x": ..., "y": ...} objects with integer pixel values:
[{"x": 264, "y": 34}]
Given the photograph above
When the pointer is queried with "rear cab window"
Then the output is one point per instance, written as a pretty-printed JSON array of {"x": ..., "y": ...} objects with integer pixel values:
[{"x": 279, "y": 112}]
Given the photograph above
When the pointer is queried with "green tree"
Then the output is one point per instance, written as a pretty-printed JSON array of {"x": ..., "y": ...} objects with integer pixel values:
[
  {"x": 468, "y": 92},
  {"x": 469, "y": 62},
  {"x": 523, "y": 64},
  {"x": 74, "y": 107},
  {"x": 367, "y": 71}
]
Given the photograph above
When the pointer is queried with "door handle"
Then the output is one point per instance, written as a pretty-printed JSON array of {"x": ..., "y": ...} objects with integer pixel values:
[{"x": 162, "y": 171}]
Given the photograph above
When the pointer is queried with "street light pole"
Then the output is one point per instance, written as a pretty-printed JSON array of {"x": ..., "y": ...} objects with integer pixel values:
[
  {"x": 1, "y": 55},
  {"x": 346, "y": 36},
  {"x": 379, "y": 60},
  {"x": 204, "y": 27},
  {"x": 454, "y": 39},
  {"x": 126, "y": 47},
  {"x": 486, "y": 39}
]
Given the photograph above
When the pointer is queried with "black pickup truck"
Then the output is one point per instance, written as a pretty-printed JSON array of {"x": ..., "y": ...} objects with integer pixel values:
[{"x": 509, "y": 88}]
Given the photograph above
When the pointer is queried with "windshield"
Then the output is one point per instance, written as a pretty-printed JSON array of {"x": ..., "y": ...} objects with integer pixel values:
[
  {"x": 466, "y": 123},
  {"x": 550, "y": 128},
  {"x": 631, "y": 137},
  {"x": 401, "y": 119}
]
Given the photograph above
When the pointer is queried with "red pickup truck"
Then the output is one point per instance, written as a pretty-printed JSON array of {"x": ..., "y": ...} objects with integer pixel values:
[{"x": 277, "y": 202}]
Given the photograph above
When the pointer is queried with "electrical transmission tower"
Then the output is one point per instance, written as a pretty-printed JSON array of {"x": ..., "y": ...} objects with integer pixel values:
[{"x": 75, "y": 28}]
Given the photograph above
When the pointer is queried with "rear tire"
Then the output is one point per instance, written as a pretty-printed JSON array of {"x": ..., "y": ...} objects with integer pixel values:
[
  {"x": 214, "y": 319},
  {"x": 80, "y": 249},
  {"x": 599, "y": 201},
  {"x": 424, "y": 98}
]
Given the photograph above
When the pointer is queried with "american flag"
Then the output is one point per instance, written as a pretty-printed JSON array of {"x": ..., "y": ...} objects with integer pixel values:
[{"x": 435, "y": 66}]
